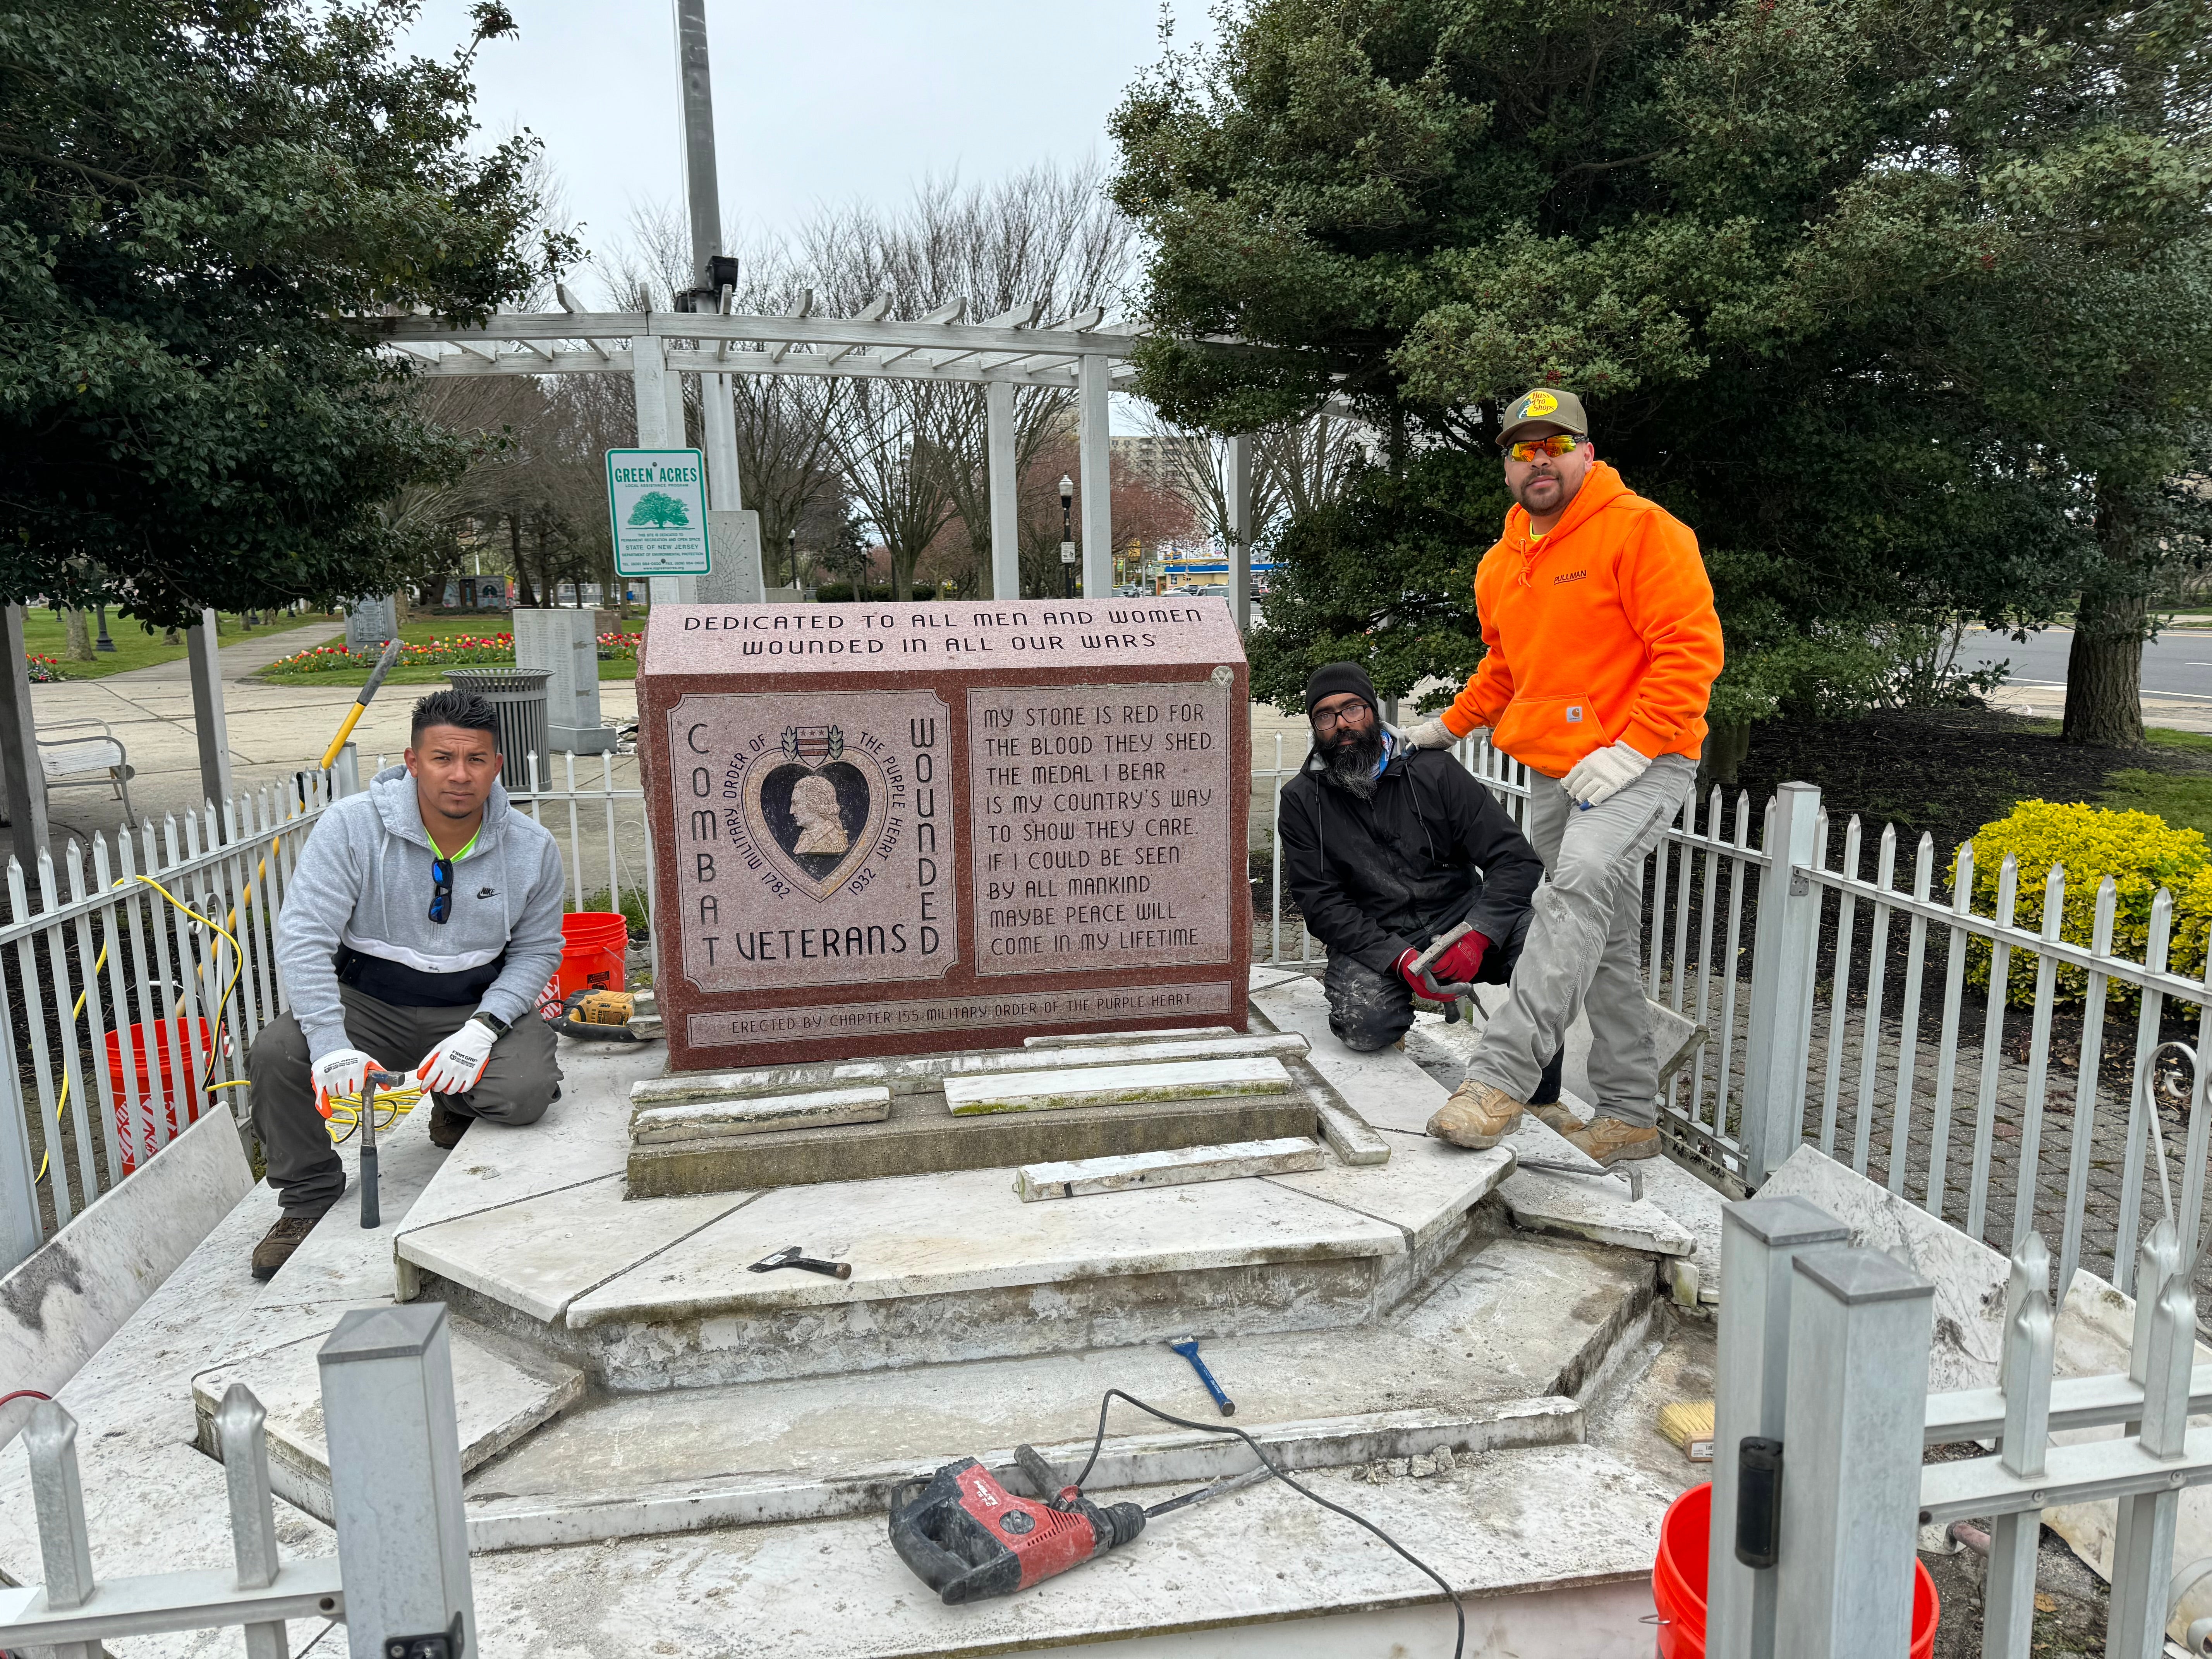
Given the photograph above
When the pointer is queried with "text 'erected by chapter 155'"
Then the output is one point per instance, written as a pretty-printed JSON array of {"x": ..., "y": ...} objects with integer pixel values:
[{"x": 1099, "y": 826}]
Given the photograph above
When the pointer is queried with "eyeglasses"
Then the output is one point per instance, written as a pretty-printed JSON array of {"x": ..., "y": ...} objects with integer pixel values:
[
  {"x": 1325, "y": 720},
  {"x": 441, "y": 892},
  {"x": 1528, "y": 449}
]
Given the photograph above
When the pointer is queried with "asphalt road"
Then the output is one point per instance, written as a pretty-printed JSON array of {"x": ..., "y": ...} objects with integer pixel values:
[{"x": 2174, "y": 665}]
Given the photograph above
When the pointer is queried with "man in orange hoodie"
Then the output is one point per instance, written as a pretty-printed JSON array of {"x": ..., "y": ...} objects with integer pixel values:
[{"x": 1603, "y": 646}]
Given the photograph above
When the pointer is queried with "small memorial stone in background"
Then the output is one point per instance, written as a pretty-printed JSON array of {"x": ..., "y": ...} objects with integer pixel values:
[{"x": 887, "y": 828}]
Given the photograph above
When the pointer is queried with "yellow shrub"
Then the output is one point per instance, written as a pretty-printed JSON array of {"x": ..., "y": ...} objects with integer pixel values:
[{"x": 2140, "y": 851}]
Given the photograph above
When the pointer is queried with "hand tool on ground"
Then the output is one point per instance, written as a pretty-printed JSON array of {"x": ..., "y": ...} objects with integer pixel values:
[
  {"x": 1626, "y": 1170},
  {"x": 1188, "y": 1347},
  {"x": 598, "y": 1016},
  {"x": 789, "y": 1256},
  {"x": 968, "y": 1538},
  {"x": 371, "y": 1215},
  {"x": 361, "y": 703}
]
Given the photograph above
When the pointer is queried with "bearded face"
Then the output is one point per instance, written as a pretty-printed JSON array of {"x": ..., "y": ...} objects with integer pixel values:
[{"x": 1352, "y": 753}]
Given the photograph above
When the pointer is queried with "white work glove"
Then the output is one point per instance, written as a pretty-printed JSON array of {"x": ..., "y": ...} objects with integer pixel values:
[
  {"x": 339, "y": 1075},
  {"x": 454, "y": 1066},
  {"x": 1432, "y": 734},
  {"x": 1604, "y": 772}
]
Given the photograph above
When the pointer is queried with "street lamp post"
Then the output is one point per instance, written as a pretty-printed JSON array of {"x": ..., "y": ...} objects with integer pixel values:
[
  {"x": 1067, "y": 534},
  {"x": 103, "y": 643},
  {"x": 791, "y": 555}
]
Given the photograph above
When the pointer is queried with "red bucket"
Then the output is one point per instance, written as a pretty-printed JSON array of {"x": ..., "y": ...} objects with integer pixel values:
[
  {"x": 151, "y": 1056},
  {"x": 595, "y": 956},
  {"x": 1678, "y": 1582}
]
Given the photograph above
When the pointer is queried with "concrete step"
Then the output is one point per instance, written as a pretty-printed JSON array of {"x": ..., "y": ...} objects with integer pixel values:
[
  {"x": 1503, "y": 1351},
  {"x": 1550, "y": 1546},
  {"x": 501, "y": 1391}
]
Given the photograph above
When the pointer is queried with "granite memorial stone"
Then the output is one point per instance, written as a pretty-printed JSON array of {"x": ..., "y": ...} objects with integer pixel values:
[{"x": 899, "y": 829}]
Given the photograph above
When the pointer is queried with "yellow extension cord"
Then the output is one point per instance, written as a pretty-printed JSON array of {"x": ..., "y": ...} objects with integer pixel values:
[{"x": 344, "y": 1110}]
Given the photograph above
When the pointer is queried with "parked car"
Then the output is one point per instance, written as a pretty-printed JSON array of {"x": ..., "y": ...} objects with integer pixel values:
[{"x": 1128, "y": 590}]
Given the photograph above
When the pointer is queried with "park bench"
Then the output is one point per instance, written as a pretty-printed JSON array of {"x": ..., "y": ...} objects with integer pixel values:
[{"x": 86, "y": 760}]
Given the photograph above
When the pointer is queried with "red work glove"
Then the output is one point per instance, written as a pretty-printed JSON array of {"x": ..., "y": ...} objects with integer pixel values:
[
  {"x": 1420, "y": 983},
  {"x": 1460, "y": 964}
]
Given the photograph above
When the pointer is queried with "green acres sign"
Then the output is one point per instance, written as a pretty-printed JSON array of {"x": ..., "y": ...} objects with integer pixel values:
[{"x": 658, "y": 500}]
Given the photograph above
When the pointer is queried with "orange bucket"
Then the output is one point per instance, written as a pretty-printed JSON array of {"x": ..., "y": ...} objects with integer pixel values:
[
  {"x": 595, "y": 956},
  {"x": 150, "y": 1056},
  {"x": 1680, "y": 1573}
]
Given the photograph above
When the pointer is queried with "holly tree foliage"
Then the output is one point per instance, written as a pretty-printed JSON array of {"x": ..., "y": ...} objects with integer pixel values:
[
  {"x": 1846, "y": 284},
  {"x": 200, "y": 203}
]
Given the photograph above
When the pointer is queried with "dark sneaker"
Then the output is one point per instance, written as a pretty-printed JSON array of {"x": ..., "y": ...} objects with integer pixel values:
[
  {"x": 446, "y": 1127},
  {"x": 277, "y": 1244}
]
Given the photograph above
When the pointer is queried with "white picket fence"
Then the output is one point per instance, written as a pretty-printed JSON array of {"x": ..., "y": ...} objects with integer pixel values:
[
  {"x": 137, "y": 972},
  {"x": 1814, "y": 1036}
]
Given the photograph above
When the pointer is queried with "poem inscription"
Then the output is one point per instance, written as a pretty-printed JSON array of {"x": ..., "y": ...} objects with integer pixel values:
[{"x": 1099, "y": 824}]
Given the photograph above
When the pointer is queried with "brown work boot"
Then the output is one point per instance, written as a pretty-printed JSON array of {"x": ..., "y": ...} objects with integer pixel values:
[
  {"x": 446, "y": 1127},
  {"x": 1557, "y": 1117},
  {"x": 1608, "y": 1140},
  {"x": 277, "y": 1244},
  {"x": 1478, "y": 1116}
]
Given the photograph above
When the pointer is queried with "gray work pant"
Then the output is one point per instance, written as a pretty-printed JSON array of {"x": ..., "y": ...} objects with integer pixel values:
[
  {"x": 520, "y": 1082},
  {"x": 1582, "y": 949}
]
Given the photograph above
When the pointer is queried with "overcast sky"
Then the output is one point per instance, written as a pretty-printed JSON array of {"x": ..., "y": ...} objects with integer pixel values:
[{"x": 822, "y": 101}]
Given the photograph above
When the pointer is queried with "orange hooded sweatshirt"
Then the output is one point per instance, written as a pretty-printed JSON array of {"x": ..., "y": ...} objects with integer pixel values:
[{"x": 1601, "y": 632}]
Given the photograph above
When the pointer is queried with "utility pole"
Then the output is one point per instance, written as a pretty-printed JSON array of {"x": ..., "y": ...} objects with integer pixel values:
[{"x": 734, "y": 536}]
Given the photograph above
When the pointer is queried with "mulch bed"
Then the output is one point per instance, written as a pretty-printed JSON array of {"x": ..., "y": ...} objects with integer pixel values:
[{"x": 1944, "y": 771}]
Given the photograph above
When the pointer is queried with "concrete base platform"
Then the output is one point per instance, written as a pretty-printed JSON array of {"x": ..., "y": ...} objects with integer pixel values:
[{"x": 1478, "y": 1338}]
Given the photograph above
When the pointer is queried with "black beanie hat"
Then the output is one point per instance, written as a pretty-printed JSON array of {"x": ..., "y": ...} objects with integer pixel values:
[{"x": 1332, "y": 678}]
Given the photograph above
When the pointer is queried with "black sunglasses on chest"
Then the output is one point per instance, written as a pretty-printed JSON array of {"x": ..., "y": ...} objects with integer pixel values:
[{"x": 441, "y": 890}]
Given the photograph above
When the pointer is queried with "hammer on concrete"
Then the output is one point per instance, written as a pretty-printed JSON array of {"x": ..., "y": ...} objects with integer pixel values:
[{"x": 789, "y": 1256}]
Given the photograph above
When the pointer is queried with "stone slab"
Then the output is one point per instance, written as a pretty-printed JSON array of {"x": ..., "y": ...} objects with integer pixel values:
[
  {"x": 921, "y": 1236},
  {"x": 502, "y": 1392},
  {"x": 1387, "y": 1089},
  {"x": 1080, "y": 1178},
  {"x": 1597, "y": 1207},
  {"x": 1091, "y": 1039},
  {"x": 920, "y": 1137},
  {"x": 1695, "y": 1205},
  {"x": 1563, "y": 1520},
  {"x": 924, "y": 1074},
  {"x": 539, "y": 1254},
  {"x": 631, "y": 1502},
  {"x": 818, "y": 1109},
  {"x": 1135, "y": 1085},
  {"x": 1348, "y": 1134},
  {"x": 1427, "y": 1190},
  {"x": 886, "y": 825},
  {"x": 66, "y": 1298}
]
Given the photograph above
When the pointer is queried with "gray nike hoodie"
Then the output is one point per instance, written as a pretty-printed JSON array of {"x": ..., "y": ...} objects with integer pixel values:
[{"x": 363, "y": 881}]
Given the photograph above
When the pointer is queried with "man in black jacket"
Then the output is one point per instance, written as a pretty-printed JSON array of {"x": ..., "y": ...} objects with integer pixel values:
[{"x": 1386, "y": 847}]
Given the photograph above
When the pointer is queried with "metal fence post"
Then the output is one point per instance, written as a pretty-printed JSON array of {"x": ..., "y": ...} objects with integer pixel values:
[
  {"x": 57, "y": 1499},
  {"x": 395, "y": 1453},
  {"x": 1782, "y": 965},
  {"x": 1859, "y": 1329},
  {"x": 1759, "y": 1238}
]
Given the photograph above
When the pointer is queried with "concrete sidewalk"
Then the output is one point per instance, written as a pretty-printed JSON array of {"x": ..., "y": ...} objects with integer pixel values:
[{"x": 275, "y": 730}]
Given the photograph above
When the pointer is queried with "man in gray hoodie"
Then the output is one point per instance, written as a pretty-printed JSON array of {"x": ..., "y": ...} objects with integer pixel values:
[{"x": 422, "y": 924}]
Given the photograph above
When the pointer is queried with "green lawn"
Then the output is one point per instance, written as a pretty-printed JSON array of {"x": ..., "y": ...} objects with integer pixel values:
[
  {"x": 2182, "y": 800},
  {"x": 423, "y": 633},
  {"x": 44, "y": 635}
]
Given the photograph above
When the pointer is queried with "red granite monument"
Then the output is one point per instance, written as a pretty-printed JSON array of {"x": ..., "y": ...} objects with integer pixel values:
[{"x": 897, "y": 828}]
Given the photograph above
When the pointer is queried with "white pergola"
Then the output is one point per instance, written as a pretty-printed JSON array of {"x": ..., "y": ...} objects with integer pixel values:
[{"x": 657, "y": 349}]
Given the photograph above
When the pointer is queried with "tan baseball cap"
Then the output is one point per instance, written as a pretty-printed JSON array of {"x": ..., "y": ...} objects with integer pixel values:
[{"x": 1544, "y": 407}]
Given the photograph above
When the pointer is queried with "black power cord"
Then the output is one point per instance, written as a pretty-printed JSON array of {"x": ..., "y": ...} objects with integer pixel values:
[{"x": 1098, "y": 1442}]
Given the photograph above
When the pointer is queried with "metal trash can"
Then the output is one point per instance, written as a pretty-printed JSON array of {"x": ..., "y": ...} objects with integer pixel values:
[{"x": 517, "y": 696}]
